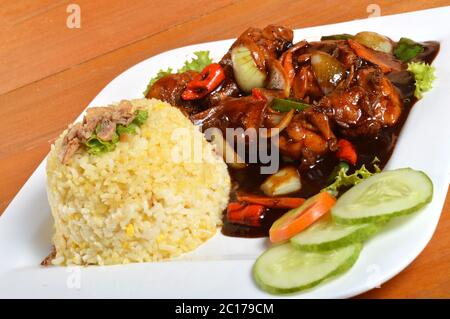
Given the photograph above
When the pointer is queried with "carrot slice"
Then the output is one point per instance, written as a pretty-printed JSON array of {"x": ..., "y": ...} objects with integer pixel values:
[
  {"x": 346, "y": 152},
  {"x": 272, "y": 202},
  {"x": 298, "y": 219},
  {"x": 386, "y": 62}
]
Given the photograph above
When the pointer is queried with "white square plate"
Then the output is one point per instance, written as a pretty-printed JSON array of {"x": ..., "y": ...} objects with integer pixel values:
[{"x": 221, "y": 268}]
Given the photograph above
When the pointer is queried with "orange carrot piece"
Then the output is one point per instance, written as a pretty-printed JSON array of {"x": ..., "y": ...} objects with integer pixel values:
[
  {"x": 386, "y": 62},
  {"x": 272, "y": 202},
  {"x": 298, "y": 219},
  {"x": 250, "y": 215}
]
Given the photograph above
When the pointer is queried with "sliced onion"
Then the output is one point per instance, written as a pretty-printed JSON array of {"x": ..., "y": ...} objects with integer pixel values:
[
  {"x": 374, "y": 41},
  {"x": 246, "y": 71},
  {"x": 285, "y": 181},
  {"x": 224, "y": 149},
  {"x": 273, "y": 119},
  {"x": 278, "y": 79},
  {"x": 280, "y": 126},
  {"x": 327, "y": 69}
]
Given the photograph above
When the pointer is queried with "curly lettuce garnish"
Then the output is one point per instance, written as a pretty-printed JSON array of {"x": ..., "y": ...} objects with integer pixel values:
[
  {"x": 159, "y": 75},
  {"x": 197, "y": 64},
  {"x": 343, "y": 180},
  {"x": 96, "y": 145},
  {"x": 424, "y": 76}
]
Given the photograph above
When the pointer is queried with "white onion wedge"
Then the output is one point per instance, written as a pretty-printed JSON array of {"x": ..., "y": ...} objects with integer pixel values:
[
  {"x": 285, "y": 121},
  {"x": 374, "y": 41},
  {"x": 285, "y": 181},
  {"x": 327, "y": 69},
  {"x": 278, "y": 79}
]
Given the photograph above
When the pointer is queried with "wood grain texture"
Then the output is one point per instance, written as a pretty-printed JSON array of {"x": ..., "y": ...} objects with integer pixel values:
[
  {"x": 34, "y": 38},
  {"x": 49, "y": 72}
]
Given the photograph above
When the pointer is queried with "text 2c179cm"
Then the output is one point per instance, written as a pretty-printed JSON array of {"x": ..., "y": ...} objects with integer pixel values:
[{"x": 249, "y": 308}]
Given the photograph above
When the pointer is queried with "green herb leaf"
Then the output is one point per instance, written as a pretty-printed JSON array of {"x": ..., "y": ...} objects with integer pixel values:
[
  {"x": 197, "y": 64},
  {"x": 407, "y": 49},
  {"x": 342, "y": 36},
  {"x": 344, "y": 180},
  {"x": 424, "y": 76}
]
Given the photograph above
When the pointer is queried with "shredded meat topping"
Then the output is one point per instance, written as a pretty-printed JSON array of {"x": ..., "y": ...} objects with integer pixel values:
[
  {"x": 102, "y": 120},
  {"x": 48, "y": 260}
]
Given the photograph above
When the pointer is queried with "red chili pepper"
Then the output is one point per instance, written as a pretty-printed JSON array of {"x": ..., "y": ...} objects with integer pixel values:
[
  {"x": 248, "y": 215},
  {"x": 205, "y": 82},
  {"x": 346, "y": 151},
  {"x": 234, "y": 206},
  {"x": 258, "y": 94}
]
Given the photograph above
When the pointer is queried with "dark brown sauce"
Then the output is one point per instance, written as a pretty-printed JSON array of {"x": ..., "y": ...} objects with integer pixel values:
[{"x": 315, "y": 178}]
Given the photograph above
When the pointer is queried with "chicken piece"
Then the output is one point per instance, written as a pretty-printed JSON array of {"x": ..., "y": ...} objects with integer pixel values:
[
  {"x": 246, "y": 112},
  {"x": 308, "y": 137},
  {"x": 371, "y": 103},
  {"x": 170, "y": 88},
  {"x": 305, "y": 84},
  {"x": 344, "y": 106}
]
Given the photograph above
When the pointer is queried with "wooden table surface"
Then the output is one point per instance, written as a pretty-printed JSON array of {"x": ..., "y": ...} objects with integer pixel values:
[{"x": 49, "y": 73}]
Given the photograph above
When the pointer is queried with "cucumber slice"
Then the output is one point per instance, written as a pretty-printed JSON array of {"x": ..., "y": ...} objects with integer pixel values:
[
  {"x": 383, "y": 196},
  {"x": 326, "y": 235},
  {"x": 285, "y": 269}
]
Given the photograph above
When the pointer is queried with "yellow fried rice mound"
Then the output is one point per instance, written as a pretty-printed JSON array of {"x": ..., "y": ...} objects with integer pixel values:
[{"x": 139, "y": 202}]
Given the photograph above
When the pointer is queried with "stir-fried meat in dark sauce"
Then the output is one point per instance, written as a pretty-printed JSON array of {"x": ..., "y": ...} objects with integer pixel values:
[
  {"x": 266, "y": 44},
  {"x": 353, "y": 91}
]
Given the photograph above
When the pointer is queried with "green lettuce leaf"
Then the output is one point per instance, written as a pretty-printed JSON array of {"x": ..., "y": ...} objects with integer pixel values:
[
  {"x": 159, "y": 75},
  {"x": 141, "y": 117},
  {"x": 96, "y": 145},
  {"x": 424, "y": 76},
  {"x": 407, "y": 49},
  {"x": 130, "y": 129},
  {"x": 343, "y": 179},
  {"x": 197, "y": 64}
]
